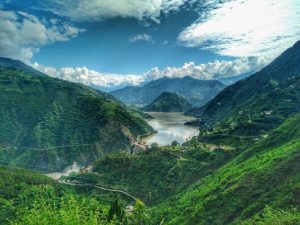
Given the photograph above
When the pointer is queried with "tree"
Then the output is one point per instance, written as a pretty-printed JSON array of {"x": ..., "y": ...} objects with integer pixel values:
[
  {"x": 174, "y": 143},
  {"x": 140, "y": 215},
  {"x": 154, "y": 146},
  {"x": 116, "y": 212}
]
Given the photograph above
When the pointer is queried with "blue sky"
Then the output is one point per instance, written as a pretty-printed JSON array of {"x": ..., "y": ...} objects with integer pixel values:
[{"x": 119, "y": 42}]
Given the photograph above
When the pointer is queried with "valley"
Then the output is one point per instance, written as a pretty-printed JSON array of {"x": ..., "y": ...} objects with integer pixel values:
[
  {"x": 214, "y": 142},
  {"x": 233, "y": 171}
]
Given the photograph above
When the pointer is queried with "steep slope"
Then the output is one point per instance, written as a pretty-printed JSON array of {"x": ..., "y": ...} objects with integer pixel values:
[
  {"x": 198, "y": 92},
  {"x": 262, "y": 101},
  {"x": 51, "y": 123},
  {"x": 33, "y": 199},
  {"x": 266, "y": 175},
  {"x": 168, "y": 102}
]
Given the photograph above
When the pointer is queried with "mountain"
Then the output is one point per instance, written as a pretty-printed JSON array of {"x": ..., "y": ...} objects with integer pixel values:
[
  {"x": 19, "y": 65},
  {"x": 260, "y": 102},
  {"x": 168, "y": 102},
  {"x": 260, "y": 186},
  {"x": 197, "y": 92},
  {"x": 51, "y": 123}
]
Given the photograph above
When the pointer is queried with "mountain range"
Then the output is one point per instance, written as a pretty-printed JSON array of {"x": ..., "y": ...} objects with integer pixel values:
[
  {"x": 168, "y": 102},
  {"x": 196, "y": 91}
]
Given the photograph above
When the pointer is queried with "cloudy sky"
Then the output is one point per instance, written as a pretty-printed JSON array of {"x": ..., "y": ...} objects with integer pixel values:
[{"x": 114, "y": 43}]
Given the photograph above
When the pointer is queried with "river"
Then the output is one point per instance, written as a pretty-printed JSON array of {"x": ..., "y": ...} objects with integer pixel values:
[{"x": 170, "y": 127}]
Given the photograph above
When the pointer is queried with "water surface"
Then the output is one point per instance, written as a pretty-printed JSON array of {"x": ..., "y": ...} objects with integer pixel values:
[{"x": 170, "y": 127}]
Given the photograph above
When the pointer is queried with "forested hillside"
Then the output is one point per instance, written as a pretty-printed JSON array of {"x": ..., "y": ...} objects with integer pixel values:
[
  {"x": 259, "y": 103},
  {"x": 260, "y": 186},
  {"x": 52, "y": 123}
]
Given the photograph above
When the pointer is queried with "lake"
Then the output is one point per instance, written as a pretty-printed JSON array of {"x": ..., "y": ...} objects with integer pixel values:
[{"x": 170, "y": 127}]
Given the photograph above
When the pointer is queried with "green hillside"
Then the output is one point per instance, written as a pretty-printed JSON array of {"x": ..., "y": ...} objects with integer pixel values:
[
  {"x": 264, "y": 181},
  {"x": 33, "y": 199},
  {"x": 168, "y": 102},
  {"x": 51, "y": 123},
  {"x": 156, "y": 175},
  {"x": 259, "y": 103}
]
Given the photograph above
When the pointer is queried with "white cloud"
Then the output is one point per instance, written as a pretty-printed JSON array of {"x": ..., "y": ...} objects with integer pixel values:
[
  {"x": 142, "y": 37},
  {"x": 211, "y": 70},
  {"x": 90, "y": 77},
  {"x": 246, "y": 28},
  {"x": 22, "y": 35},
  {"x": 202, "y": 71},
  {"x": 95, "y": 10}
]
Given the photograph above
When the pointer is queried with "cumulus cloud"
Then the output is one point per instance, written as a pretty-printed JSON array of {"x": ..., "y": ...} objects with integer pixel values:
[
  {"x": 95, "y": 10},
  {"x": 142, "y": 37},
  {"x": 211, "y": 70},
  {"x": 108, "y": 81},
  {"x": 90, "y": 77},
  {"x": 22, "y": 34},
  {"x": 246, "y": 28}
]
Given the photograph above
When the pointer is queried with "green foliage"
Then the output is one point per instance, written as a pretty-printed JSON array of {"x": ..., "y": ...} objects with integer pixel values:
[
  {"x": 140, "y": 215},
  {"x": 68, "y": 210},
  {"x": 117, "y": 213},
  {"x": 19, "y": 189},
  {"x": 275, "y": 217},
  {"x": 156, "y": 175},
  {"x": 31, "y": 198},
  {"x": 168, "y": 102},
  {"x": 267, "y": 173},
  {"x": 154, "y": 146}
]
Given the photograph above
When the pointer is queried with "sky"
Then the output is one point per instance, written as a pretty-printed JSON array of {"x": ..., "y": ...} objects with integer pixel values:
[{"x": 113, "y": 43}]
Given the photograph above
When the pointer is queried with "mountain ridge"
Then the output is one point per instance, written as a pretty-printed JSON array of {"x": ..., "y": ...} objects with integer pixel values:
[
  {"x": 198, "y": 92},
  {"x": 267, "y": 97}
]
